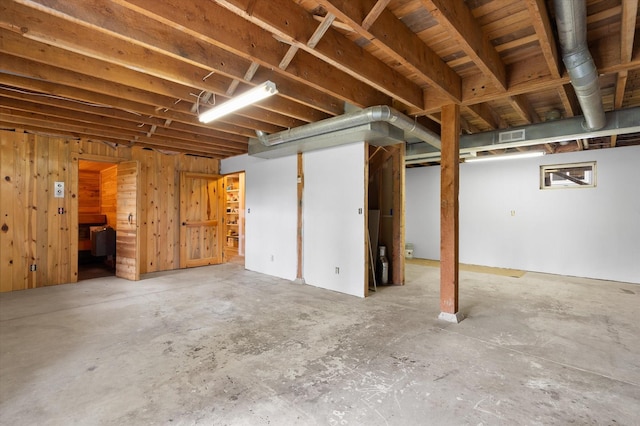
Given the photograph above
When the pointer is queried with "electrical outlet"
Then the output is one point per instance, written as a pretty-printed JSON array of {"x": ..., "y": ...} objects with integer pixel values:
[
  {"x": 33, "y": 267},
  {"x": 272, "y": 258},
  {"x": 337, "y": 270}
]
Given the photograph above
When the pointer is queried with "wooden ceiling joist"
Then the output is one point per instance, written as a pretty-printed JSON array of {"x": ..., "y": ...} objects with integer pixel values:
[
  {"x": 87, "y": 33},
  {"x": 296, "y": 25},
  {"x": 240, "y": 37},
  {"x": 142, "y": 70},
  {"x": 405, "y": 46},
  {"x": 457, "y": 19},
  {"x": 544, "y": 30}
]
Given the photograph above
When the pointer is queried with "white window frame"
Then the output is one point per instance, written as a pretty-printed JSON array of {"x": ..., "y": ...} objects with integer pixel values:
[{"x": 544, "y": 169}]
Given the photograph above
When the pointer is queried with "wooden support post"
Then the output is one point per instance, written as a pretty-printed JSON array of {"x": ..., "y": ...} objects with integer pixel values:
[
  {"x": 299, "y": 273},
  {"x": 449, "y": 184}
]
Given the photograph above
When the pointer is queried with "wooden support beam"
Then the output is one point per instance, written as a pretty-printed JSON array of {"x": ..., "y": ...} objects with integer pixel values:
[
  {"x": 397, "y": 252},
  {"x": 449, "y": 186},
  {"x": 299, "y": 272}
]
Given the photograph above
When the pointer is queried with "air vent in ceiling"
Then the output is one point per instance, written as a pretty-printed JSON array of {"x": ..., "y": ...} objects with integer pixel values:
[{"x": 511, "y": 136}]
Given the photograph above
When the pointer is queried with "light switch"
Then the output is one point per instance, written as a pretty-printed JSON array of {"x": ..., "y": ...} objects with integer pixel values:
[{"x": 58, "y": 189}]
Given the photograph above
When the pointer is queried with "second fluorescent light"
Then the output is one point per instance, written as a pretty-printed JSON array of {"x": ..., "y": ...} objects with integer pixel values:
[
  {"x": 247, "y": 98},
  {"x": 513, "y": 156}
]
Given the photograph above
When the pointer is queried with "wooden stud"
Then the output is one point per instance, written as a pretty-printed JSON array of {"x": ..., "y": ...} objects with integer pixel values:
[{"x": 299, "y": 272}]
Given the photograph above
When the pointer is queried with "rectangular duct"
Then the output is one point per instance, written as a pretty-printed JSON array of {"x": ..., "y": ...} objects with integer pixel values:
[{"x": 375, "y": 133}]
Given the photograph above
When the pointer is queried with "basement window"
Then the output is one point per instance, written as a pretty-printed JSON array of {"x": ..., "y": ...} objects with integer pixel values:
[{"x": 576, "y": 175}]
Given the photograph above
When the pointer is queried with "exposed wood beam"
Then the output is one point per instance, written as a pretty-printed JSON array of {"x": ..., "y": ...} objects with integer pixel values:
[
  {"x": 457, "y": 19},
  {"x": 487, "y": 115},
  {"x": 95, "y": 69},
  {"x": 531, "y": 75},
  {"x": 468, "y": 127},
  {"x": 404, "y": 46},
  {"x": 294, "y": 24},
  {"x": 196, "y": 18},
  {"x": 43, "y": 124},
  {"x": 458, "y": 62},
  {"x": 248, "y": 76},
  {"x": 569, "y": 100},
  {"x": 288, "y": 57},
  {"x": 325, "y": 24},
  {"x": 621, "y": 84},
  {"x": 113, "y": 124},
  {"x": 111, "y": 33},
  {"x": 544, "y": 31},
  {"x": 113, "y": 102},
  {"x": 158, "y": 103},
  {"x": 628, "y": 30},
  {"x": 614, "y": 140},
  {"x": 524, "y": 109},
  {"x": 374, "y": 13},
  {"x": 627, "y": 36},
  {"x": 99, "y": 114}
]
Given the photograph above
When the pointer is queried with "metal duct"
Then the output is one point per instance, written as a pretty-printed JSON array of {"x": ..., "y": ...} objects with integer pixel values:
[
  {"x": 618, "y": 122},
  {"x": 571, "y": 18},
  {"x": 366, "y": 116}
]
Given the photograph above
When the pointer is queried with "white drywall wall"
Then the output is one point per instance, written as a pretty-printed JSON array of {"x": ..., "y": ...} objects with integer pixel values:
[
  {"x": 592, "y": 233},
  {"x": 271, "y": 213},
  {"x": 332, "y": 224}
]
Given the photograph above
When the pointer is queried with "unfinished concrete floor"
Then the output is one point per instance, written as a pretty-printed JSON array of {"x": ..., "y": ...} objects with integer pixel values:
[{"x": 223, "y": 346}]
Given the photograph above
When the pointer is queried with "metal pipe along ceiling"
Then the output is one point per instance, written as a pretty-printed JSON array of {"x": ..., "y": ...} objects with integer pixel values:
[
  {"x": 571, "y": 18},
  {"x": 381, "y": 113}
]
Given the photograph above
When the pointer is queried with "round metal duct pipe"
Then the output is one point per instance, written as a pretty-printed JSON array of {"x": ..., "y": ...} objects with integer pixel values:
[{"x": 571, "y": 18}]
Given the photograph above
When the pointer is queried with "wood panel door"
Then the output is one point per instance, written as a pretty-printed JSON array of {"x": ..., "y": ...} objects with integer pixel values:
[
  {"x": 127, "y": 226},
  {"x": 201, "y": 206}
]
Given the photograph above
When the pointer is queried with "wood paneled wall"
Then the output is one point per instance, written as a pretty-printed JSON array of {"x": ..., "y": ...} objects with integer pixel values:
[
  {"x": 33, "y": 232},
  {"x": 88, "y": 192},
  {"x": 36, "y": 228},
  {"x": 108, "y": 192}
]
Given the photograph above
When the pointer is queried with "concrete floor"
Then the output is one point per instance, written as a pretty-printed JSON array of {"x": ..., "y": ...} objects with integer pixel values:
[{"x": 223, "y": 346}]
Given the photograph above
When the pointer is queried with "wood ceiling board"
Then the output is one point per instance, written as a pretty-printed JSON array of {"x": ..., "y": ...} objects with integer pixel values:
[{"x": 146, "y": 55}]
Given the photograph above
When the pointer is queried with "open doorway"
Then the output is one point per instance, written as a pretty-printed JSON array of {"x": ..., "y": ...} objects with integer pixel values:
[
  {"x": 97, "y": 202},
  {"x": 234, "y": 215},
  {"x": 386, "y": 214}
]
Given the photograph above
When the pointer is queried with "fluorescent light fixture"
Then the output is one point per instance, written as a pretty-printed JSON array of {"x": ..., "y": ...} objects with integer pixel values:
[
  {"x": 513, "y": 156},
  {"x": 433, "y": 157},
  {"x": 258, "y": 93}
]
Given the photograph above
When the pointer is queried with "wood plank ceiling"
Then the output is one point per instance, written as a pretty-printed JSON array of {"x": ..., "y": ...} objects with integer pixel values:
[{"x": 137, "y": 72}]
